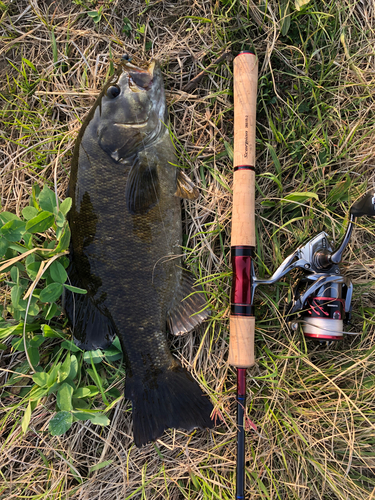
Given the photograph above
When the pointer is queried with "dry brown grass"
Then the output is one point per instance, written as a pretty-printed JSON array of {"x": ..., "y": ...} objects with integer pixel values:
[{"x": 313, "y": 408}]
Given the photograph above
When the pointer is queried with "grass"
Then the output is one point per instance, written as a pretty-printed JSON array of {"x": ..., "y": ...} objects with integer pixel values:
[{"x": 312, "y": 407}]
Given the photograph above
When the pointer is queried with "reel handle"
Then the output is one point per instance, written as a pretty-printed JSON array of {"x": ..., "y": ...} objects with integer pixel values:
[{"x": 242, "y": 321}]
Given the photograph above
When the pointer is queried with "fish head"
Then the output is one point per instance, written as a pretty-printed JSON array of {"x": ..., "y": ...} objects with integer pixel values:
[{"x": 133, "y": 110}]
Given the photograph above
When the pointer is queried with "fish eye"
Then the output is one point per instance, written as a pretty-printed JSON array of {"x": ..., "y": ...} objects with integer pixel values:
[{"x": 113, "y": 91}]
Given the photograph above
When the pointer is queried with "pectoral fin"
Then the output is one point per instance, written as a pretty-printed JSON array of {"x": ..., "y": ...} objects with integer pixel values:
[
  {"x": 189, "y": 307},
  {"x": 142, "y": 187},
  {"x": 185, "y": 187}
]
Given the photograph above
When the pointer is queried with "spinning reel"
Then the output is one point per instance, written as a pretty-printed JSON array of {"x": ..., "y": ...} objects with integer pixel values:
[{"x": 322, "y": 297}]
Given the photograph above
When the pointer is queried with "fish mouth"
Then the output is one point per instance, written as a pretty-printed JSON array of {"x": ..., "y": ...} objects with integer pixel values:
[
  {"x": 139, "y": 79},
  {"x": 132, "y": 125}
]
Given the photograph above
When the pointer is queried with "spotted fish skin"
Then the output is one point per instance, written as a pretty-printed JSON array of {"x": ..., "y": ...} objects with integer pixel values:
[{"x": 126, "y": 250}]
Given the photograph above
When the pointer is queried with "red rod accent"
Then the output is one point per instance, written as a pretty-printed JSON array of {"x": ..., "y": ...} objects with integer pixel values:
[
  {"x": 241, "y": 382},
  {"x": 241, "y": 283}
]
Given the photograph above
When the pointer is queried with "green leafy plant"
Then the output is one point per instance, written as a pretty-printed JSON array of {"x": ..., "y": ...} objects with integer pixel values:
[
  {"x": 96, "y": 15},
  {"x": 127, "y": 28},
  {"x": 33, "y": 249}
]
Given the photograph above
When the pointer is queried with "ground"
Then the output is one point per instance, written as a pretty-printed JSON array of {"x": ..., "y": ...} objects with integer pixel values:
[{"x": 310, "y": 408}]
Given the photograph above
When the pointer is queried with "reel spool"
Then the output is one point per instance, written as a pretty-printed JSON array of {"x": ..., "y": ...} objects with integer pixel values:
[{"x": 324, "y": 314}]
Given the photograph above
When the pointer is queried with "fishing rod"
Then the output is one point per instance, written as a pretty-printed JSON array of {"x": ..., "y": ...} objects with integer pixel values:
[
  {"x": 322, "y": 296},
  {"x": 242, "y": 320}
]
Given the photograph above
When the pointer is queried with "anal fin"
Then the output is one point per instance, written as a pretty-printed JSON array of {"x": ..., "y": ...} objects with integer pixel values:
[{"x": 189, "y": 307}]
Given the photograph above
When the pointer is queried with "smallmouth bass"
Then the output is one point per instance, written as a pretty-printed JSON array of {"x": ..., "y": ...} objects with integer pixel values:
[{"x": 126, "y": 250}]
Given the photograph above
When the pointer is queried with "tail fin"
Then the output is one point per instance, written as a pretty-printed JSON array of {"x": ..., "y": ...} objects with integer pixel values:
[{"x": 168, "y": 399}]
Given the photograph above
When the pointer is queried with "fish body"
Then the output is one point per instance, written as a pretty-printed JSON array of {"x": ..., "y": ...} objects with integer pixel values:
[{"x": 126, "y": 250}]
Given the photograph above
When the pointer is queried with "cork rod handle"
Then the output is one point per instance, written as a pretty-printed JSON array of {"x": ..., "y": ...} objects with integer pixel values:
[
  {"x": 245, "y": 95},
  {"x": 242, "y": 321}
]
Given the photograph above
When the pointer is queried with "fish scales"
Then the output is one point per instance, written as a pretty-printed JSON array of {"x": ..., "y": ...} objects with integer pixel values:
[{"x": 126, "y": 250}]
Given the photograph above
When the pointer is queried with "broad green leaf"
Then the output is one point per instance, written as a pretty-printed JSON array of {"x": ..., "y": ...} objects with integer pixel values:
[
  {"x": 114, "y": 393},
  {"x": 81, "y": 415},
  {"x": 30, "y": 259},
  {"x": 65, "y": 205},
  {"x": 93, "y": 390},
  {"x": 50, "y": 332},
  {"x": 64, "y": 240},
  {"x": 15, "y": 274},
  {"x": 99, "y": 419},
  {"x": 54, "y": 388},
  {"x": 60, "y": 220},
  {"x": 74, "y": 367},
  {"x": 26, "y": 418},
  {"x": 36, "y": 341},
  {"x": 52, "y": 376},
  {"x": 51, "y": 293},
  {"x": 111, "y": 350},
  {"x": 65, "y": 261},
  {"x": 32, "y": 269},
  {"x": 65, "y": 369},
  {"x": 8, "y": 216},
  {"x": 15, "y": 295},
  {"x": 58, "y": 272},
  {"x": 34, "y": 357},
  {"x": 74, "y": 289},
  {"x": 40, "y": 378},
  {"x": 40, "y": 223},
  {"x": 113, "y": 357},
  {"x": 37, "y": 393},
  {"x": 33, "y": 306},
  {"x": 64, "y": 397},
  {"x": 29, "y": 212},
  {"x": 68, "y": 344},
  {"x": 3, "y": 246},
  {"x": 13, "y": 230},
  {"x": 52, "y": 311},
  {"x": 96, "y": 418},
  {"x": 116, "y": 343},
  {"x": 47, "y": 199},
  {"x": 80, "y": 404},
  {"x": 96, "y": 356},
  {"x": 82, "y": 392},
  {"x": 28, "y": 240},
  {"x": 60, "y": 423}
]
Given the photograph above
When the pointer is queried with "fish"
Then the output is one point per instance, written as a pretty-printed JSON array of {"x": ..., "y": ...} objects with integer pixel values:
[{"x": 126, "y": 249}]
